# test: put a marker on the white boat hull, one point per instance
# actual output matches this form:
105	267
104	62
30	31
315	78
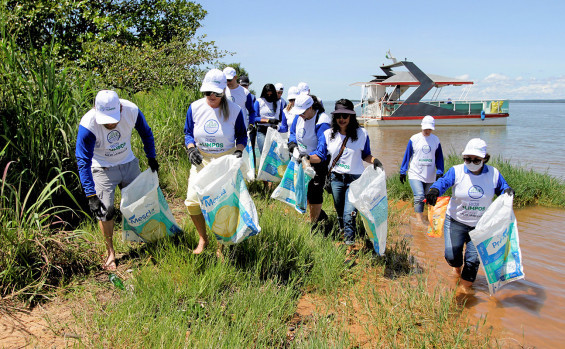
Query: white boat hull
451	121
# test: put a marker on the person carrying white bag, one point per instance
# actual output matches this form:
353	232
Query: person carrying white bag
474	186
214	127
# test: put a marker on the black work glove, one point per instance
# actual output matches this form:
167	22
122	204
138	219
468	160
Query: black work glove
402	178
438	176
96	206
153	164
509	191
238	153
291	146
303	156
251	128
273	121
377	163
194	156
431	196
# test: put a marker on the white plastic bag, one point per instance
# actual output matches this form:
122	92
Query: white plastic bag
146	214
294	184
496	239
225	202
248	164
368	195
274	157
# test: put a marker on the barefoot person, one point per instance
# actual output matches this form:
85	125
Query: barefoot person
214	127
105	159
348	146
423	160
474	186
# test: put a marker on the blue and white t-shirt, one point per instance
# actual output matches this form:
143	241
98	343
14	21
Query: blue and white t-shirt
471	194
98	146
309	134
242	97
351	160
423	158
213	133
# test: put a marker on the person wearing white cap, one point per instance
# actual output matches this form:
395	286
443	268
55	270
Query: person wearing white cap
105	158
423	160
306	140
214	127
348	146
474	186
291	96
280	90
303	88
240	95
270	113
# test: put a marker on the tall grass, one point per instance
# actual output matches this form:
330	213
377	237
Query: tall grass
532	188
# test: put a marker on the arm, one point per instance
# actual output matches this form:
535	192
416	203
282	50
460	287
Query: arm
439	160
283	127
292	133
407	156
250	106
146	135
366	152
240	132
321	149
445	182
84	151
189	129
501	185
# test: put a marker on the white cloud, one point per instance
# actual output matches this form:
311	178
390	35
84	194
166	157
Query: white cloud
501	86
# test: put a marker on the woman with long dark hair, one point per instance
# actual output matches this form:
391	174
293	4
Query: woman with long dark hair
270	113
348	146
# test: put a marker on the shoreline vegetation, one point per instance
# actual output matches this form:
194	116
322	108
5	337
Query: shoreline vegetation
51	248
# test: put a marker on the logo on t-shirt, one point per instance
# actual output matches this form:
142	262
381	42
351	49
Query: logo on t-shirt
211	126
426	149
476	192
232	98
301	132
113	136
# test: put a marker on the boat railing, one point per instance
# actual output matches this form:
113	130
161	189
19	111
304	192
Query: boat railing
377	110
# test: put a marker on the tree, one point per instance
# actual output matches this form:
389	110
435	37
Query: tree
117	39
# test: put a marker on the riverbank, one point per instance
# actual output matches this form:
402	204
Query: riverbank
281	288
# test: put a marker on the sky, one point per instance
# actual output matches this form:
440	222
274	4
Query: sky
510	49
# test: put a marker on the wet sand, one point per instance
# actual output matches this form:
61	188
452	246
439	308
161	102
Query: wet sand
528	312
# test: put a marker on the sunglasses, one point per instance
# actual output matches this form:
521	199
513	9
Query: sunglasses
341	116
475	161
208	93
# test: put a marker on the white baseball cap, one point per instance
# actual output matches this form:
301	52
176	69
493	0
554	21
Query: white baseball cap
301	103
279	86
293	92
214	81
428	123
229	72
303	88
107	107
477	147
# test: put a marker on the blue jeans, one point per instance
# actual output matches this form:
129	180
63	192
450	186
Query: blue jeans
346	212
456	234
420	189
260	141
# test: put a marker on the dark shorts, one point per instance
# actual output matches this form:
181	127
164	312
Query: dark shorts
315	193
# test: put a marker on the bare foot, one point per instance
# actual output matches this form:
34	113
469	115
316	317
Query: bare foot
220	253
456	271
465	290
110	264
201	246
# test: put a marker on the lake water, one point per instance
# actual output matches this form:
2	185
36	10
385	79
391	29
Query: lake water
529	312
534	138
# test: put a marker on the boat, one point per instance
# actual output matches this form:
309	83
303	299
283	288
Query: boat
382	102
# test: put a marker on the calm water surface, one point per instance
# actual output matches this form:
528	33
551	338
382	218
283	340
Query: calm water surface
534	138
529	312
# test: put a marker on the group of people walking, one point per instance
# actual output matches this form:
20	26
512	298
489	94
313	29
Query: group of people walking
337	146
